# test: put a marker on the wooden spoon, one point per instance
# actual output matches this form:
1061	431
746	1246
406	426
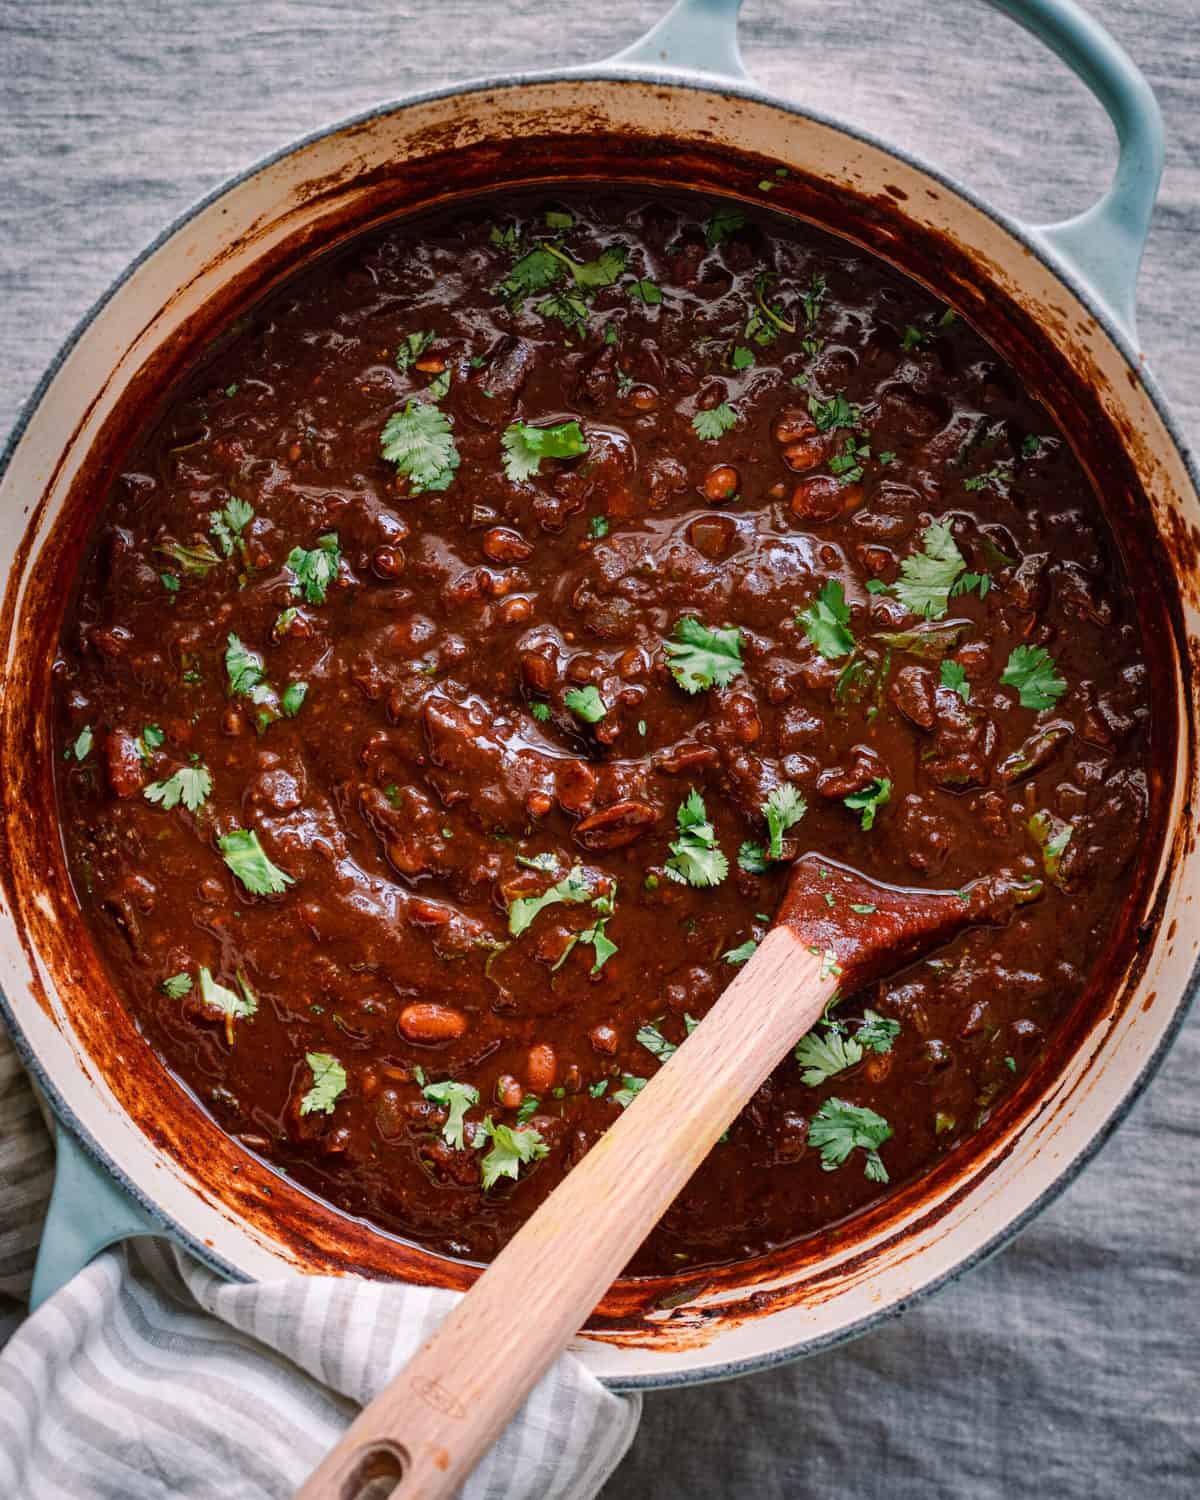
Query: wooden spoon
433	1423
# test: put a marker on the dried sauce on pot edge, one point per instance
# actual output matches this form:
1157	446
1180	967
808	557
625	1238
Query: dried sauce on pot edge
480	631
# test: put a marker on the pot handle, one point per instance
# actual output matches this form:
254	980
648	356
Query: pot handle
1102	248
88	1212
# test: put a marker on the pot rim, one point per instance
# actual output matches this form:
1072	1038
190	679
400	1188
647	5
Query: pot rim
1026	236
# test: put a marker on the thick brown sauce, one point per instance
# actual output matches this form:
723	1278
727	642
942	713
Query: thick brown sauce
415	772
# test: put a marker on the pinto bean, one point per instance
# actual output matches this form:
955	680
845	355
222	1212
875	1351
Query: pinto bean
509	1092
614	827
538	670
793	424
504	545
821	497
429	1023
541	1067
721	482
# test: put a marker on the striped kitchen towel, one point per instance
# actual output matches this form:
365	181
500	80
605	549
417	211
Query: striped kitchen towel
148	1377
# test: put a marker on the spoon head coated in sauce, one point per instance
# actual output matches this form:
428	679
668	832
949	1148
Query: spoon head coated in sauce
872	929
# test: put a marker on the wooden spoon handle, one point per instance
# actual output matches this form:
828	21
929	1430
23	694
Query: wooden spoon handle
440	1414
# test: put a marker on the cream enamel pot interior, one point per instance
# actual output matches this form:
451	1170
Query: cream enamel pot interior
136	1152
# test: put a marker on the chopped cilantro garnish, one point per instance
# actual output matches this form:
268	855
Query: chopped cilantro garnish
701	657
83	743
439	387
696	858
512	1148
586	703
418	440
1032	671
573	889
170	582
927	577
877	1033
870	800
741	953
813	298
741	358
710	425
724	222
247	859
314	571
598	527
783	809
234	1006
650	1037
826	622
558	220
1052	836
245	671
823	1054
540	711
839	1128
525	446
457	1099
648	292
228	524
954	677
190	785
834	413
412	346
177	986
753	859
631	1087
293	698
328	1082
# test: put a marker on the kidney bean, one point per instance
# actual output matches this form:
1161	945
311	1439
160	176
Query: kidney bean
504	545
427	1022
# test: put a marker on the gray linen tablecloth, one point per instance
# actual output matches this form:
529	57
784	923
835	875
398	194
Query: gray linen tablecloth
1067	1367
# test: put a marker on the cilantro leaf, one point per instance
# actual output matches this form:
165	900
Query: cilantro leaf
1032	671
710	425
724	222
954	677
177	986
596	935
650	1037
826	622
540	711
753	859
412	346
232	1005
293	698
196	560
228	524
1052	835
586	703
696	858
631	1087
928	641
418	440
741	953
648	292
457	1098
83	743
244	669
439	387
190	785
598	527
741	358
525	446
314	571
877	1034
602	271
812	299
570	308
248	860
824	1054
870	800
834	413
328	1082
533	272
839	1128
170	581
783	809
573	889
512	1147
927	577
700	657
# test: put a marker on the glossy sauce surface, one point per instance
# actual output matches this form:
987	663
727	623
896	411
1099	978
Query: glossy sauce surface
764	411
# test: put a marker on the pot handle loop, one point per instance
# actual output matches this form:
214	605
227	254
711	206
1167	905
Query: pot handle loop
695	36
1102	247
88	1212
